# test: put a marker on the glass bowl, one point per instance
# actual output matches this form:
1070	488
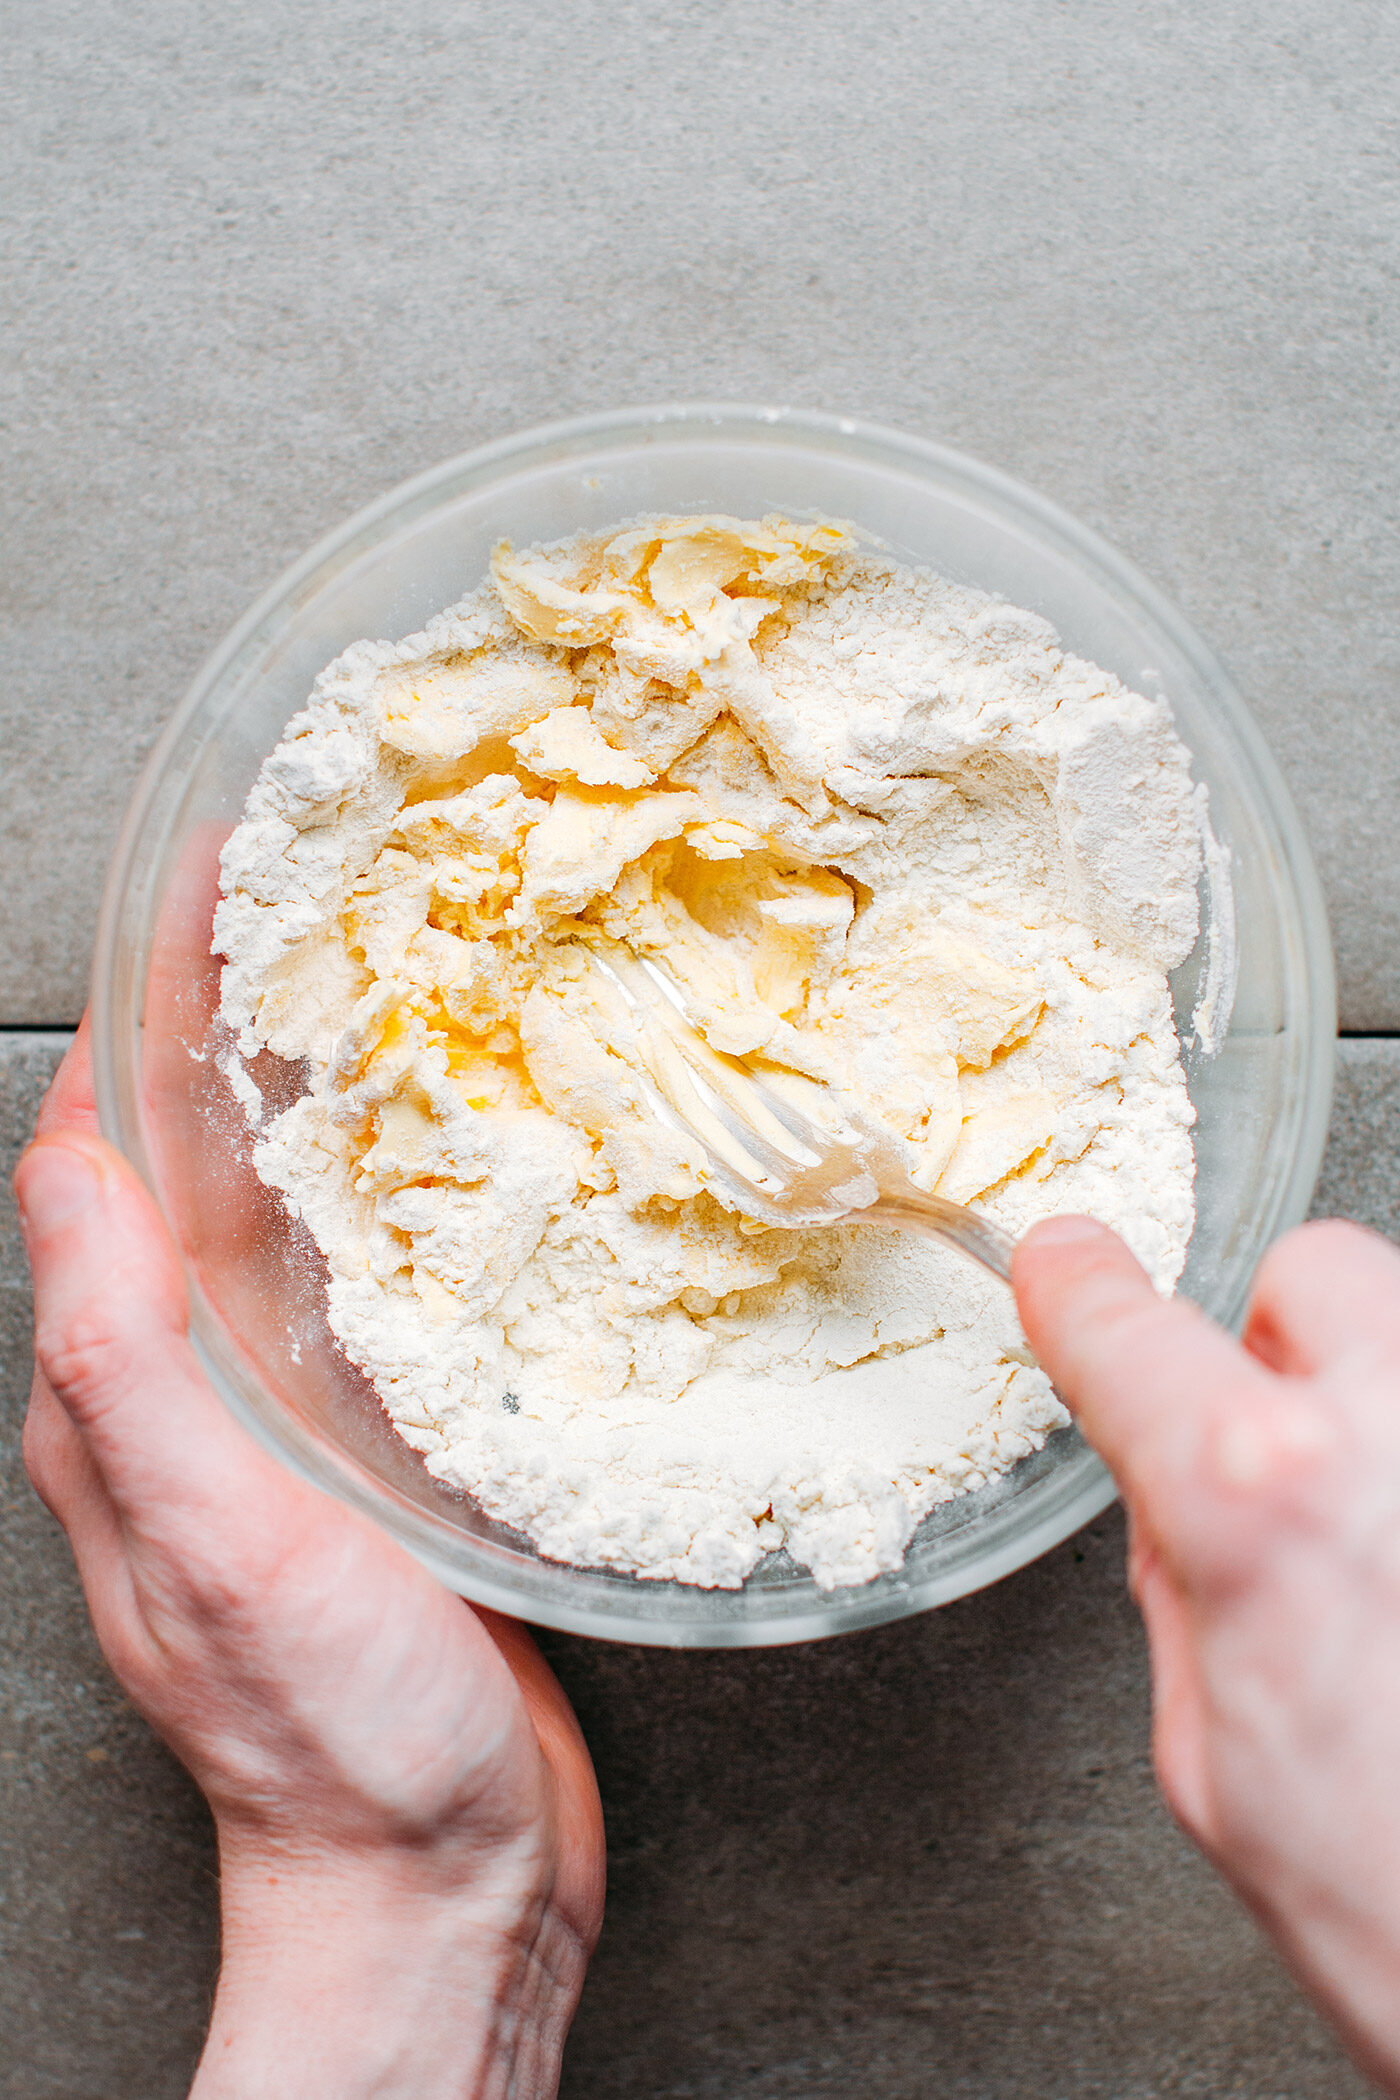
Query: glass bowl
257	1285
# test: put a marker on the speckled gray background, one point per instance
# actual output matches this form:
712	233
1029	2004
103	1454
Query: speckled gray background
263	263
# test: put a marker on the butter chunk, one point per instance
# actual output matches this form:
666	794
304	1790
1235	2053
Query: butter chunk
976	1004
583	842
565	745
444	710
997	1140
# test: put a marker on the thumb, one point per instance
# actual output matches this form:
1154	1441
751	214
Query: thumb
111	1322
581	1838
1191	1427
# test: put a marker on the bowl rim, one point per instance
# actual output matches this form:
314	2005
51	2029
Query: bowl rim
120	1119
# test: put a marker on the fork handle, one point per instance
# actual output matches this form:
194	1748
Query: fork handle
967	1230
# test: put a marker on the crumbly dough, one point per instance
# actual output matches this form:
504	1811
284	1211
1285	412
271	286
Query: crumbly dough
887	834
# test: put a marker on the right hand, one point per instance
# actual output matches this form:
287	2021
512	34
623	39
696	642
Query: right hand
1262	1482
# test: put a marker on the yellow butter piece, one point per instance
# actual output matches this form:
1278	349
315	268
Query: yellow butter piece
565	744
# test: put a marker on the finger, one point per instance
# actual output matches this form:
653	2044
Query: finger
1128	1363
66	1480
1178	1695
1325	1293
58	1462
1214	1453
182	989
580	1812
69	1103
110	1331
184	1092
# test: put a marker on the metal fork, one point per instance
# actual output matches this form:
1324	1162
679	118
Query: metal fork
780	1148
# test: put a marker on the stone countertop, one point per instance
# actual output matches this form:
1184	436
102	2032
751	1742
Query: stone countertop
267	263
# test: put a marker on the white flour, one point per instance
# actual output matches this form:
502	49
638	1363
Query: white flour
888	834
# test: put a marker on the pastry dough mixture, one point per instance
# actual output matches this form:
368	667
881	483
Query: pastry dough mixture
885	833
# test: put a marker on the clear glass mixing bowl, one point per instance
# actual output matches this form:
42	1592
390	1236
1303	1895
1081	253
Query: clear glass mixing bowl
257	1285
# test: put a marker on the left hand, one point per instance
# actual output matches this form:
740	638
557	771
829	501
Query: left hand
409	1830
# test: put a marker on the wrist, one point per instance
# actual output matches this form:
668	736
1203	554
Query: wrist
349	1972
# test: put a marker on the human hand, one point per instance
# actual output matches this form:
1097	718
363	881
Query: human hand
409	1831
1262	1483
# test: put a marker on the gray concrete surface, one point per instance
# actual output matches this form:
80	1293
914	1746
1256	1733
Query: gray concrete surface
925	1863
266	261
259	265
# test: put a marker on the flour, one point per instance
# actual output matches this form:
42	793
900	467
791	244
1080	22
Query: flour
887	834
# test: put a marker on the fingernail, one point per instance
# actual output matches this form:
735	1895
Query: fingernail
54	1184
1067	1232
